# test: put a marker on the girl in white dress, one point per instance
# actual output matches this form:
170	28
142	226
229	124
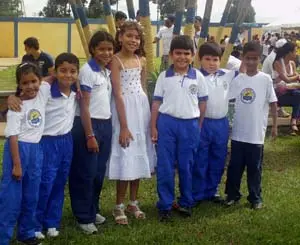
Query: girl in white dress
132	155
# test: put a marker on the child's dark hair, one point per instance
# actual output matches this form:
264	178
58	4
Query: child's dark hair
252	47
32	42
131	25
100	36
66	57
182	42
211	49
24	69
119	15
285	50
198	18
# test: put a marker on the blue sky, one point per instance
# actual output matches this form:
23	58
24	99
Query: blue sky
266	10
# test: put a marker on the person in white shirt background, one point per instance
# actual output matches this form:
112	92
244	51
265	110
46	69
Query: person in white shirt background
197	27
166	35
253	93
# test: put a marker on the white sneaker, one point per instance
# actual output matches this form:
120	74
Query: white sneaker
39	235
99	219
52	232
88	228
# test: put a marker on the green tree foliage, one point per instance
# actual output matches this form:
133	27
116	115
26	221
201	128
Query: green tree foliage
95	8
11	8
233	14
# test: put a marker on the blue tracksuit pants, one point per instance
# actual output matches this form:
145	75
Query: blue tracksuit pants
209	167
177	140
58	152
88	169
18	199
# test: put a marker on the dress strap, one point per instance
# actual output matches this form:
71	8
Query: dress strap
291	69
138	60
121	63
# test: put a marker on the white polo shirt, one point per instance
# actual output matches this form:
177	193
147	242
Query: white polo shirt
166	35
97	83
252	98
218	90
233	63
267	66
28	124
180	94
60	112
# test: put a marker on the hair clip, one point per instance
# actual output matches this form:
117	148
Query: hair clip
23	64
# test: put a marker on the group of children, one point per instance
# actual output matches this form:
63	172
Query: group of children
109	129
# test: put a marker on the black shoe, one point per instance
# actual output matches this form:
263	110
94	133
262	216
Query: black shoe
231	202
185	211
257	206
165	216
31	241
217	199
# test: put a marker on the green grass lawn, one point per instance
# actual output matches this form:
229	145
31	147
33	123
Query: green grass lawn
210	224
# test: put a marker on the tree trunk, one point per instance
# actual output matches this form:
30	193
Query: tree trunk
224	20
180	7
130	9
109	18
191	12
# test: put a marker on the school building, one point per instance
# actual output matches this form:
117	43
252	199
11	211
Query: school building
57	35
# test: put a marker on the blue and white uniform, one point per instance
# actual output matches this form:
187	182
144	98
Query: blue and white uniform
57	145
212	153
18	199
88	168
178	133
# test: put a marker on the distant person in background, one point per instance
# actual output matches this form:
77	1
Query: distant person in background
197	27
34	55
166	35
137	16
120	18
297	38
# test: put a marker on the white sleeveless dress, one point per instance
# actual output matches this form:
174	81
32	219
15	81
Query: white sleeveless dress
138	160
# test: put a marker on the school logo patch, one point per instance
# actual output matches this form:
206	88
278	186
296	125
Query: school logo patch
193	89
34	118
248	95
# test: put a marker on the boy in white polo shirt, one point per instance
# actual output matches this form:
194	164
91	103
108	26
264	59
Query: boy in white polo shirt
177	113
253	93
209	168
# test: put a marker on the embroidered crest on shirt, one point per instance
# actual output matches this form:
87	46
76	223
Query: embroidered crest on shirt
248	95
193	89
34	118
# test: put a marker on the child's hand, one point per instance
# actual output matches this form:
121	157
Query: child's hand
274	133
92	145
17	172
14	103
49	79
154	135
125	137
78	94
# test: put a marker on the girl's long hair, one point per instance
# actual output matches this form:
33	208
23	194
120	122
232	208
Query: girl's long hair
131	25
26	68
285	50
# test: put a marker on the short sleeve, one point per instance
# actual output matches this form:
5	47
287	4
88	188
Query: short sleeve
159	91
49	61
13	125
86	79
271	95
202	88
45	91
159	35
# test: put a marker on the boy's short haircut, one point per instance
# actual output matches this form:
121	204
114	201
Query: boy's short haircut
252	47
211	49
67	57
32	42
119	15
98	37
198	18
182	42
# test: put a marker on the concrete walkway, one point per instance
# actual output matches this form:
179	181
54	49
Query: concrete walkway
6	62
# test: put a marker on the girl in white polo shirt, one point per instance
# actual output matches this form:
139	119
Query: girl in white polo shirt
22	158
92	132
